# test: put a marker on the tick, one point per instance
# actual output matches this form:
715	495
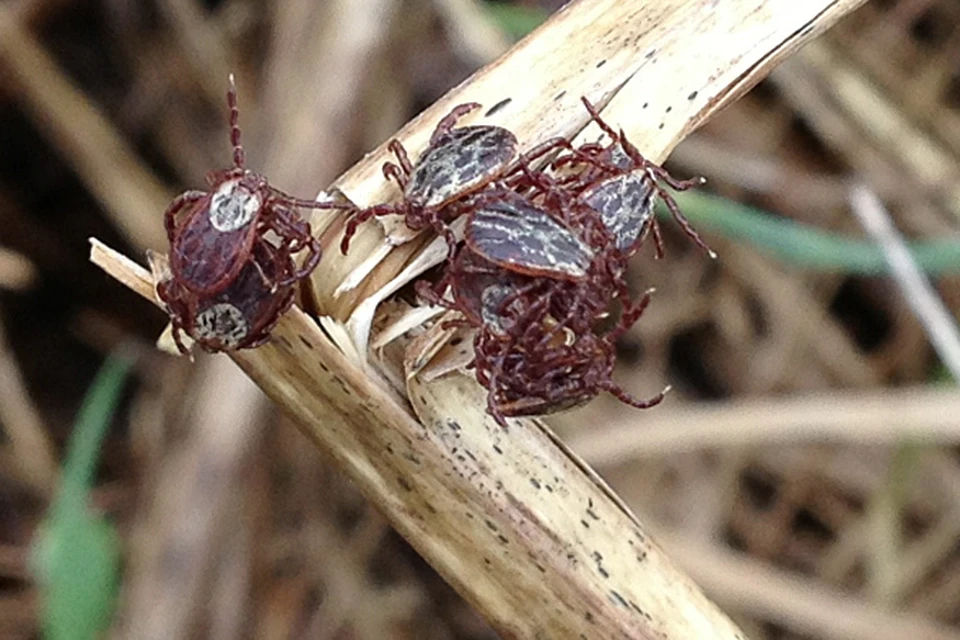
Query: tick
213	233
537	347
619	184
457	163
242	314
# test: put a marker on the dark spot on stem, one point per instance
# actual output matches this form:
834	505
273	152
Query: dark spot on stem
497	107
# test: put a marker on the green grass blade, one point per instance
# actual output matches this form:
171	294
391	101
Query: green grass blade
804	246
76	555
516	21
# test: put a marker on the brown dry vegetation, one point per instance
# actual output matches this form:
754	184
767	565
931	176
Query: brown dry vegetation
783	473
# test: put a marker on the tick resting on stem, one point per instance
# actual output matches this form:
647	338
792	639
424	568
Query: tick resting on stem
219	251
457	163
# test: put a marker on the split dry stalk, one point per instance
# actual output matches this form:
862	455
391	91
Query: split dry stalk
514	521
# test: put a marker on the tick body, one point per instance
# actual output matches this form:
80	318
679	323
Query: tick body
242	314
512	232
457	162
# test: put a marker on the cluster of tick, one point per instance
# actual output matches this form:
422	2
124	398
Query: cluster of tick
542	268
539	276
234	253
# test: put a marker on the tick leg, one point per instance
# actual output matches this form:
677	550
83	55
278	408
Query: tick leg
623	396
263	277
678	185
180	312
683	222
182	200
314	252
291	201
657	239
444	229
590	153
176	330
558	142
493	404
433	294
238	157
297	235
448	121
631	313
395	173
400	152
595	116
362	215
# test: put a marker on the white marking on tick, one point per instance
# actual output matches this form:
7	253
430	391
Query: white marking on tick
223	323
232	207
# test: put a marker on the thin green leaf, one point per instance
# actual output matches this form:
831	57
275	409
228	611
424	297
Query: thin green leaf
803	246
76	555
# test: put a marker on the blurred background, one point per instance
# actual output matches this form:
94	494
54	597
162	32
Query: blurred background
804	468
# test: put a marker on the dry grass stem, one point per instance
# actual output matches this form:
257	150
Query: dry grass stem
916	289
33	453
512	520
191	517
923	156
753	587
868	418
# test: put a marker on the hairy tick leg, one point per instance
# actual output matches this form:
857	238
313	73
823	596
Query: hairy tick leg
395	173
684	223
362	215
595	116
625	397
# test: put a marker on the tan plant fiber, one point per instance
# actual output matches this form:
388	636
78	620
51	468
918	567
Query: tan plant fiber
514	521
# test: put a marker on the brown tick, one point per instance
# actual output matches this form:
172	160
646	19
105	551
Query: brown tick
529	361
243	313
618	183
457	163
213	233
